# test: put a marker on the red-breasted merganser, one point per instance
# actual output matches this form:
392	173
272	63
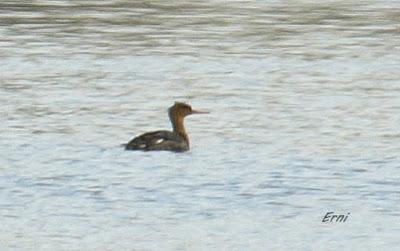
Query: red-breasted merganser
176	141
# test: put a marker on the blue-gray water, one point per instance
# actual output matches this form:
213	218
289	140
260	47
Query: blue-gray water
305	112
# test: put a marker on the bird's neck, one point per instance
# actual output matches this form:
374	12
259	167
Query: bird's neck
178	126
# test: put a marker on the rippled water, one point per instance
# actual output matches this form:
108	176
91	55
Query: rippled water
305	112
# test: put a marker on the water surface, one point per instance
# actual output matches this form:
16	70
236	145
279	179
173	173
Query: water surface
304	100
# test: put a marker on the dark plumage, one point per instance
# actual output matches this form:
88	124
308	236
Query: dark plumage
176	141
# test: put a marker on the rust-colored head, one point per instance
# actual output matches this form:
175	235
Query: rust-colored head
180	109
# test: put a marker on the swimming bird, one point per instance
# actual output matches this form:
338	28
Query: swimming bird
176	140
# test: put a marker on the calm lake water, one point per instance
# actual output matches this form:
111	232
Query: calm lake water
305	112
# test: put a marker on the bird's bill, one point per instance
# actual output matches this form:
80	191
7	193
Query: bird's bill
199	112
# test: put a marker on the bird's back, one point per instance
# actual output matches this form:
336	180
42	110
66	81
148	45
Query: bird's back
159	141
